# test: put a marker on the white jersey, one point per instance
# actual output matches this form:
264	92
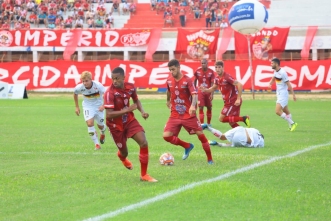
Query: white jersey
93	97
281	81
237	136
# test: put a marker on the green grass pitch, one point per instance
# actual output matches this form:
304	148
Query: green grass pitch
49	169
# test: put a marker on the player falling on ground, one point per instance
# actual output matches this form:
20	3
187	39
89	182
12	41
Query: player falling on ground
238	137
204	77
122	123
231	90
92	106
282	85
182	101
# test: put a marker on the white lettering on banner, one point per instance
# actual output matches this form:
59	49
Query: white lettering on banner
50	81
98	37
200	34
28	37
136	72
187	69
261	76
65	37
18	73
49	36
292	75
159	76
319	74
97	73
266	33
72	73
4	73
35	72
83	41
110	34
328	77
246	76
106	73
18	38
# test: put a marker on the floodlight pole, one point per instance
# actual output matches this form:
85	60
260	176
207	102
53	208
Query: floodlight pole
250	64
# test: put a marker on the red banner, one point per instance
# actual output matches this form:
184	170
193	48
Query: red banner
47	76
263	44
197	44
89	38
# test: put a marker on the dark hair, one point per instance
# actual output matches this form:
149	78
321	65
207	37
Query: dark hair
173	62
276	60
219	63
118	70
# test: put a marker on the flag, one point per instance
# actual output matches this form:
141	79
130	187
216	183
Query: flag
72	44
311	31
153	43
226	37
264	44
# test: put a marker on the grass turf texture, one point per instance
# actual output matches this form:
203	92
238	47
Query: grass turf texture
50	171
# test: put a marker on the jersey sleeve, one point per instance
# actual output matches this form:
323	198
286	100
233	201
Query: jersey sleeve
108	99
229	79
134	94
101	88
191	86
285	77
77	89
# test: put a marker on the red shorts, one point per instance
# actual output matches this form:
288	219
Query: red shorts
130	129
231	110
191	125
204	100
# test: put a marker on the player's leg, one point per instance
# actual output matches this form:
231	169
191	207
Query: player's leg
89	119
208	104
136	132
292	125
201	114
201	104
230	114
100	119
192	125
214	131
170	134
120	139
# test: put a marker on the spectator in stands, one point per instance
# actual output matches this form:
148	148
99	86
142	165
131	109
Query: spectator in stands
18	25
160	6
52	5
42	19
5	26
225	11
169	20
153	5
212	16
70	4
25	24
30	6
77	5
51	20
79	22
101	11
208	16
63	7
167	11
125	8
99	23
224	24
86	6
90	22
68	22
60	12
89	14
107	24
132	8
115	7
196	12
111	19
80	13
33	18
182	17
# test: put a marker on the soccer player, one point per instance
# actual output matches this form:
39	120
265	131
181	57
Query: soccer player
204	77
238	137
92	106
282	86
122	123
231	90
182	101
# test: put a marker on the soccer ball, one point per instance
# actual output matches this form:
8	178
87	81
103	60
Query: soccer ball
167	159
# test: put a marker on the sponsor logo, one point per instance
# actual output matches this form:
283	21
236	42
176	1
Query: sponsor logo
240	12
135	39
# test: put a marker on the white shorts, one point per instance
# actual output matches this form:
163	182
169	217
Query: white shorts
99	116
237	136
282	99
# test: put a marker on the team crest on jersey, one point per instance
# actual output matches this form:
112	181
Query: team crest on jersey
117	94
119	145
176	92
126	101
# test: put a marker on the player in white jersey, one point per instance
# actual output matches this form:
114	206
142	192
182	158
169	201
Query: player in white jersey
238	137
93	108
282	86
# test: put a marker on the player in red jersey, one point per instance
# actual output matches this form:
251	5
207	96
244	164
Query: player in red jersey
231	90
204	77
182	101
121	121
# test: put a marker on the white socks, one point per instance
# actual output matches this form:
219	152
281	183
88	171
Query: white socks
93	134
103	129
216	133
288	119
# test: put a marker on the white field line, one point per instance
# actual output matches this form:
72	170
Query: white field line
200	183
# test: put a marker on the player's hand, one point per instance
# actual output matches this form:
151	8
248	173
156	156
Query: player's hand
269	86
101	108
145	115
132	107
211	96
237	103
77	111
169	104
192	110
294	97
202	89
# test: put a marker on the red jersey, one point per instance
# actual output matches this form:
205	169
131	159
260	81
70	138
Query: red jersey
205	79
228	90
117	99
181	96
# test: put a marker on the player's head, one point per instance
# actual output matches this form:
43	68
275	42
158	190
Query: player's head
118	76
219	67
174	68
275	63
204	64
86	78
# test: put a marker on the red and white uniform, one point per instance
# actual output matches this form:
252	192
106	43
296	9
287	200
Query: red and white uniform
204	79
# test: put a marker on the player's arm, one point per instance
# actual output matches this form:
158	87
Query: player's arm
209	90
271	82
289	85
77	111
141	109
111	113
168	99
194	102
240	89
